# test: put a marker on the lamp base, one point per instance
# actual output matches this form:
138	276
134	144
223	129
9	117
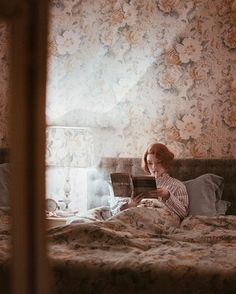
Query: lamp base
67	202
67	189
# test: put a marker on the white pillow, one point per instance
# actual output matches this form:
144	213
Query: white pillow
205	194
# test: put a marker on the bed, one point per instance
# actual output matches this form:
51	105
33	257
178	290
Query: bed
133	252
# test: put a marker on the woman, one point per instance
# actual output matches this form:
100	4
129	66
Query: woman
171	192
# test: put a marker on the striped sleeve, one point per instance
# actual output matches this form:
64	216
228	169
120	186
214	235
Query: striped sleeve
178	201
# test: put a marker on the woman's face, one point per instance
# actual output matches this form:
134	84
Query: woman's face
154	166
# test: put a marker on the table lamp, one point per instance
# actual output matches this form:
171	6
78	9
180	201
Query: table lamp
69	147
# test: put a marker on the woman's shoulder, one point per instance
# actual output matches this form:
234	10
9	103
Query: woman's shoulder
177	182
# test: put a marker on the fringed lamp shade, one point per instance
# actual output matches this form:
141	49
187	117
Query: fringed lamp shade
69	147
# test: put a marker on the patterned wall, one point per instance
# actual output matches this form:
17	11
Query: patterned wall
138	71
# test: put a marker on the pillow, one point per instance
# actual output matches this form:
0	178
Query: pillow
222	206
4	184
205	194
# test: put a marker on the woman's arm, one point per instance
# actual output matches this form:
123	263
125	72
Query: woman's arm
124	203
118	202
178	201
175	198
133	202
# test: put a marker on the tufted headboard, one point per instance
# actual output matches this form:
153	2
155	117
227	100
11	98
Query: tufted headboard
182	169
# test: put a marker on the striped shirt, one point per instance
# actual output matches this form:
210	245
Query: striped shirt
177	202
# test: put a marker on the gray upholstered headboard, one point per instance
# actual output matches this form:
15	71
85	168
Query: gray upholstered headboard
182	169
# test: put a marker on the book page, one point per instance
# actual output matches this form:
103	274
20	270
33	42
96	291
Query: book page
124	184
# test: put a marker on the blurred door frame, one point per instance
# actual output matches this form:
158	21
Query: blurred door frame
28	21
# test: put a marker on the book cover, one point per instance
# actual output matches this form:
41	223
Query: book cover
124	184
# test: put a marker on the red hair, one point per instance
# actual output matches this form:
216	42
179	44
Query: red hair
161	152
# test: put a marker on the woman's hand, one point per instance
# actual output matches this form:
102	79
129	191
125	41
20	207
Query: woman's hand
133	202
160	193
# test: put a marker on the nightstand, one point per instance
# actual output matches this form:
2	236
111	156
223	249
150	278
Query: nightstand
52	222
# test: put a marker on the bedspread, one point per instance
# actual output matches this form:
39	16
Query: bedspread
137	251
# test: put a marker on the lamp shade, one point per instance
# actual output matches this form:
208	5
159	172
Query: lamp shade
69	147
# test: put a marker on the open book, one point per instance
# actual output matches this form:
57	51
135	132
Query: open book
124	184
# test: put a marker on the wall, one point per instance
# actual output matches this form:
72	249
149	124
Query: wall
136	72
143	71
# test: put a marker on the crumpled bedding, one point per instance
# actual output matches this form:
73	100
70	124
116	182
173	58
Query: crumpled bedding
145	250
140	250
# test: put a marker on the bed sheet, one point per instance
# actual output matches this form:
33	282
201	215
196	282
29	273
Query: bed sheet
137	251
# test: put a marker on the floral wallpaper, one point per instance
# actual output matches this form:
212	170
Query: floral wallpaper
139	71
